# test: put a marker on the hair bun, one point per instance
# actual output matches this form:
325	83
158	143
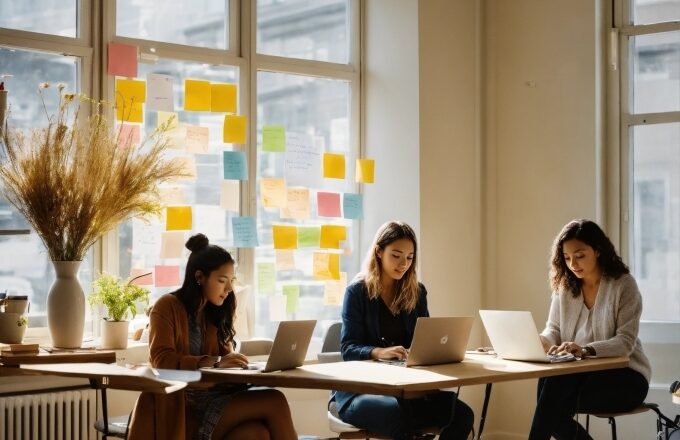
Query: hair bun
197	242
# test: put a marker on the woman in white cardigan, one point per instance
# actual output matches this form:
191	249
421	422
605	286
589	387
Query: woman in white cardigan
595	311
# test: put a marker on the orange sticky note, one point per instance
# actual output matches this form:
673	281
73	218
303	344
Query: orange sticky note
273	192
166	276
285	237
331	236
334	166
122	60
235	129
365	172
178	218
145	277
223	98
326	266
297	204
198	139
197	95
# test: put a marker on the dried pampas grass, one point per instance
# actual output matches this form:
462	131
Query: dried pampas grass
73	182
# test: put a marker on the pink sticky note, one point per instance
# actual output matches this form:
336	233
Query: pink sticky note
145	277
167	276
328	204
128	135
122	60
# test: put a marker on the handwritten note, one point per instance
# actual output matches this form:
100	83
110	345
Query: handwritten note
273	192
178	218
365	172
171	195
128	135
145	276
273	138
353	206
333	166
292	294
210	220
146	237
309	236
197	139
302	166
223	98
266	278
326	266
285	259
166	276
235	166
297	204
235	128
285	237
159	95
277	308
332	235
172	244
230	195
328	204
122	60
245	232
334	291
196	95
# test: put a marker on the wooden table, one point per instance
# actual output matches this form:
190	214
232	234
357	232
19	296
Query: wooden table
71	356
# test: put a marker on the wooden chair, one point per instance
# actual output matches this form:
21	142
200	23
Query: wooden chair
639	410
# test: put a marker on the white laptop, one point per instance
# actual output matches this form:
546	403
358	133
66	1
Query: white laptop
513	335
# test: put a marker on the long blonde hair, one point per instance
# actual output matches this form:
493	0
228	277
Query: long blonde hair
408	290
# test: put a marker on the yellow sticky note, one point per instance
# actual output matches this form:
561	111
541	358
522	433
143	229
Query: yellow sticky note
285	259
131	90
326	266
285	237
333	166
197	95
273	192
235	129
365	172
223	98
297	204
331	236
129	111
179	218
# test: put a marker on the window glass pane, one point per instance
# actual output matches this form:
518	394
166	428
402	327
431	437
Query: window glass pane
200	23
140	242
29	270
56	17
656	72
656	11
656	219
306	29
320	109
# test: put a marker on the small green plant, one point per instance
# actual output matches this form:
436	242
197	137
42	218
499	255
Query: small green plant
118	296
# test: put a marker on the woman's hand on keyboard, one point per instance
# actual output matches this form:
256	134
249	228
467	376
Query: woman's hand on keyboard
233	360
396	352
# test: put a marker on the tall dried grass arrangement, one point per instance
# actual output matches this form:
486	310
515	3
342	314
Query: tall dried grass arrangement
73	182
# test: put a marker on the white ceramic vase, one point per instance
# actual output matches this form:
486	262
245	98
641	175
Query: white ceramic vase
66	306
114	334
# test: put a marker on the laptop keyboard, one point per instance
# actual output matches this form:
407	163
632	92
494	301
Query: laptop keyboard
568	357
397	362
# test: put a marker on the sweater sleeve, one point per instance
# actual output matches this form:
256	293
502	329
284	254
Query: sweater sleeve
551	332
354	336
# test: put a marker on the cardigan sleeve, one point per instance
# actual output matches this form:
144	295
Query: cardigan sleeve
354	336
551	332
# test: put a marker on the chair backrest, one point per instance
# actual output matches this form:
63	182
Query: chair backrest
255	347
331	342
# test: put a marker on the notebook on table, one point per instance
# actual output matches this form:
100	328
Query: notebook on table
514	336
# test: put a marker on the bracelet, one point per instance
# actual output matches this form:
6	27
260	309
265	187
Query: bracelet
217	362
587	351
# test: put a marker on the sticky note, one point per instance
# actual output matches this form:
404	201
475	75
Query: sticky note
171	195
302	166
159	94
292	294
297	204
166	276
309	236
129	111
168	118
235	128
285	237
211	220
172	244
223	97
285	259
331	236
365	172
277	308
273	192
196	95
353	206
333	166
334	291
128	135
245	232
326	266
178	218
273	138
122	60
328	204
266	278
235	166
230	195
141	277
146	236
188	167
197	139
130	90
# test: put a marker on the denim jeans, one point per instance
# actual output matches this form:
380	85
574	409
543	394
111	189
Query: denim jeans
395	418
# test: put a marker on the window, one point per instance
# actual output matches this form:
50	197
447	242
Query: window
55	17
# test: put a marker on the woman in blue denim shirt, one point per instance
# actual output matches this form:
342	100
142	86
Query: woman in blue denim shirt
379	317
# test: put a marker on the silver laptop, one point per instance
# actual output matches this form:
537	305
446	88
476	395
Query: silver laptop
513	335
439	340
290	346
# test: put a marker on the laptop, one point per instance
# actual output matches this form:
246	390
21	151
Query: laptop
289	348
513	336
438	341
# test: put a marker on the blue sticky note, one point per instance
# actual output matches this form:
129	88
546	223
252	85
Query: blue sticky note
235	166
353	206
245	232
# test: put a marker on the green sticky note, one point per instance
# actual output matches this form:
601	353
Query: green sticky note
266	278
273	138
292	294
308	236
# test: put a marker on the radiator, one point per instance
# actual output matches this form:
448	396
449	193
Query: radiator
67	415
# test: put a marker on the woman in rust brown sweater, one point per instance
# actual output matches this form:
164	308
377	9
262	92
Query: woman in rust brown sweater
193	327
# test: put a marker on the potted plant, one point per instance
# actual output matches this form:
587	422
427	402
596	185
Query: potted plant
120	298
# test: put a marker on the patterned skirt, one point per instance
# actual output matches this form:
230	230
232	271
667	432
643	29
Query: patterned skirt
210	403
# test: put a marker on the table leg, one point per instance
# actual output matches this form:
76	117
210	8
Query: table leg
482	419
105	410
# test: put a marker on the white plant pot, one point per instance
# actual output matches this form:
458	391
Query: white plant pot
114	334
66	306
12	328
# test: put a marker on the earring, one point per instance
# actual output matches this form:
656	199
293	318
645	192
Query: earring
198	282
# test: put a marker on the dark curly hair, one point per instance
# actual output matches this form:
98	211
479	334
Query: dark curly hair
587	231
207	257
